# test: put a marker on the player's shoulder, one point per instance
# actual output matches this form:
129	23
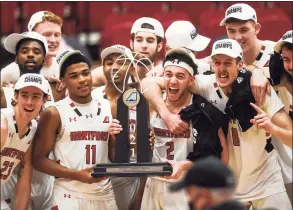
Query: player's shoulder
269	45
99	92
97	70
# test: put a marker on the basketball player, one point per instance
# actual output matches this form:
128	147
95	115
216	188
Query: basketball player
178	149
281	75
256	191
241	25
119	59
18	128
48	25
30	49
77	125
146	39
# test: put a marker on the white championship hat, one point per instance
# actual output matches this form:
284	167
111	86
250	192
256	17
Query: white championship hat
181	64
157	29
287	37
241	12
35	80
12	40
116	49
228	47
63	56
35	19
184	34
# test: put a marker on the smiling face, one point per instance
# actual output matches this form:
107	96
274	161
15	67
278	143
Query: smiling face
30	56
244	32
287	59
78	80
52	32
29	102
117	64
146	44
226	70
177	80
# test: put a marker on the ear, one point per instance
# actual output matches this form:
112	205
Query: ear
257	28
131	44
240	65
191	80
166	49
160	46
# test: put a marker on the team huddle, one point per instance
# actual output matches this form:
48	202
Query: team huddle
59	118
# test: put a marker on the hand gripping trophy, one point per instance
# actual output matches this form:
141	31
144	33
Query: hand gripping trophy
133	156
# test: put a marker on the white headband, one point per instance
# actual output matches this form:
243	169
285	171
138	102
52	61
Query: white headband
181	64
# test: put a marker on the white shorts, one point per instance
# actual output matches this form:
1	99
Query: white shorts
125	189
4	205
157	196
65	201
41	190
279	201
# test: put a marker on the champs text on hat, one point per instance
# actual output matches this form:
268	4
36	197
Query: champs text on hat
61	56
234	10
288	35
31	78
224	45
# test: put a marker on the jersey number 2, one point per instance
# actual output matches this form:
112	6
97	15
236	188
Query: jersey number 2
90	152
170	149
6	166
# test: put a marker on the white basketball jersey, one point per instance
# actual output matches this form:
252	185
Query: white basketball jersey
15	148
169	146
285	152
252	159
83	142
263	59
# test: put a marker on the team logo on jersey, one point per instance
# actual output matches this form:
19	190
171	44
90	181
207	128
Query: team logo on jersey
202	104
106	119
72	119
214	102
67	196
89	116
11	135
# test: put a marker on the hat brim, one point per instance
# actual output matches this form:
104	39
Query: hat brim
200	43
11	42
229	53
223	22
279	44
177	186
109	51
178	50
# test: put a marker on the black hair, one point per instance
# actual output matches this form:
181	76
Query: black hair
29	40
235	20
73	59
184	58
288	46
148	26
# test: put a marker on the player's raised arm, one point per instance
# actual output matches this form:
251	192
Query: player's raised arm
23	186
154	96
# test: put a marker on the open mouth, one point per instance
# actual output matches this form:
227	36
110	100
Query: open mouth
52	47
173	90
28	110
83	87
30	64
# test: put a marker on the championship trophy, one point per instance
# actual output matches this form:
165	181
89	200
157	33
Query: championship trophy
133	156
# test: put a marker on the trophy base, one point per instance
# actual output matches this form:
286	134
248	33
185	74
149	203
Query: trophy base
132	169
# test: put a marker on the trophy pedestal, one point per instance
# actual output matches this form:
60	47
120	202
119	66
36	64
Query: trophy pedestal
132	169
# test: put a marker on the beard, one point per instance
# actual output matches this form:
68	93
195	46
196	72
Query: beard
289	77
24	70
